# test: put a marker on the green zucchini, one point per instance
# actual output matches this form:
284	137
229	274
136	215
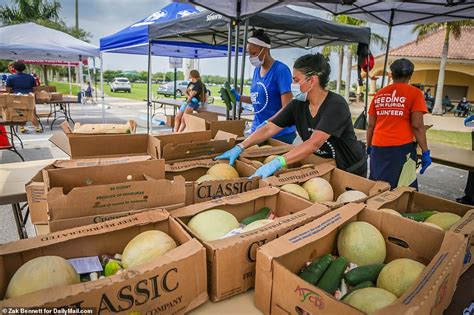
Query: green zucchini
363	273
229	92
260	215
331	279
226	98
418	216
365	284
315	270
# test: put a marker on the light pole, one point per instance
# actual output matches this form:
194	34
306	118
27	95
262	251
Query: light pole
77	15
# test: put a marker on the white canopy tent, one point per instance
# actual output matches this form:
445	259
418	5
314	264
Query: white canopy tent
35	42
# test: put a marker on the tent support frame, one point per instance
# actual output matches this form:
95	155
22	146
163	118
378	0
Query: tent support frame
242	69
229	61
148	89
236	67
385	62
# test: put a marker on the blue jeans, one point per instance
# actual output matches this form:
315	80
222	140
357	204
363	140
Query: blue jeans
288	138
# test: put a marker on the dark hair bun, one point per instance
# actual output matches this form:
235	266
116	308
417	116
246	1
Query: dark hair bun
261	35
316	64
402	68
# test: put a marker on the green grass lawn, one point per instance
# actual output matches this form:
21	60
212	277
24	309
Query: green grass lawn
454	138
63	88
139	92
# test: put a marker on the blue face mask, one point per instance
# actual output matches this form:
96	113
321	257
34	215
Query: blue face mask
297	94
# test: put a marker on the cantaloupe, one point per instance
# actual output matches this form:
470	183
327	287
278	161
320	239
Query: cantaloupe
433	225
212	224
394	212
370	300
256	224
399	274
295	189
319	189
223	170
207	177
145	247
269	158
444	220
361	243
350	196
41	273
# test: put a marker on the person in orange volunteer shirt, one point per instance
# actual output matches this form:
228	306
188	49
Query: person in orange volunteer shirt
395	121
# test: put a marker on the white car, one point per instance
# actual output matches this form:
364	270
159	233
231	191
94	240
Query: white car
120	84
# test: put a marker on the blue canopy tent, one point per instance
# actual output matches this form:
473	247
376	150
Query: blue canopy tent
134	39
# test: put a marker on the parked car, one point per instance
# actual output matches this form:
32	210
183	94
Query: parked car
167	89
120	84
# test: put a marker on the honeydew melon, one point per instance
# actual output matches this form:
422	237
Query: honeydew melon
394	212
370	300
319	189
295	189
256	224
212	224
350	196
207	177
399	274
223	170
444	220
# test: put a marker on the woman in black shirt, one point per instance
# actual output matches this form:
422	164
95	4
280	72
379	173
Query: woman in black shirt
322	119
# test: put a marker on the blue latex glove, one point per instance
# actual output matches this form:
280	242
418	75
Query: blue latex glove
425	161
230	155
183	107
236	94
369	150
269	168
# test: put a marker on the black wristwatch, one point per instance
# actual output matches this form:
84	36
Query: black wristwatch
241	146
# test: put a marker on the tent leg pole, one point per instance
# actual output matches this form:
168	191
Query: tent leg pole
366	103
148	87
229	60
95	78
69	77
175	77
236	66
102	86
242	68
384	73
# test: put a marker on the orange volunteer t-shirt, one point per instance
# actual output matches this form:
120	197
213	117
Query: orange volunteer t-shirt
393	106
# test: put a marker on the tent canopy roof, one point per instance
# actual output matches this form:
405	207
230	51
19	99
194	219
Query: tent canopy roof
33	41
404	12
285	26
134	38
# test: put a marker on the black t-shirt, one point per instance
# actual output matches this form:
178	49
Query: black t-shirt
333	118
198	87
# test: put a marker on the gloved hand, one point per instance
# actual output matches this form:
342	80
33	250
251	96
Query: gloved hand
183	107
269	168
425	161
369	149
230	155
236	94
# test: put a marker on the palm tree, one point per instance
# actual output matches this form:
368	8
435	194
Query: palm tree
327	50
455	28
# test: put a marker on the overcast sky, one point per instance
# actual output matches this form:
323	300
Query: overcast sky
105	17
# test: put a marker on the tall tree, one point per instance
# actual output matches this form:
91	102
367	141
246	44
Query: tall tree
450	28
327	50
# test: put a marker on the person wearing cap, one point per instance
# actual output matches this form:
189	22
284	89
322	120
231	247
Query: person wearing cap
396	126
322	118
271	85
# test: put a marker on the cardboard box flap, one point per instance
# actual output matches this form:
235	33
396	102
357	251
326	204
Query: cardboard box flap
194	123
453	246
187	165
173	138
61	140
114	198
379	186
65	127
307	233
301	174
465	226
69	178
196	149
223	135
229	200
261	152
379	201
100	161
142	218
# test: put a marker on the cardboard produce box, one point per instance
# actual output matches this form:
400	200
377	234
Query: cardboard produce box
210	121
129	128
36	191
85	195
340	181
3	100
45	88
279	289
20	101
174	283
164	146
17	114
198	192
42	97
231	260
55	96
408	200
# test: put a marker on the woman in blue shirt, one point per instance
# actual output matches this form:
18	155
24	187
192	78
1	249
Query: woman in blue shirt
271	85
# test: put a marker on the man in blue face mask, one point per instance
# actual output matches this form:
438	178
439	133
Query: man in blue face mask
271	85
